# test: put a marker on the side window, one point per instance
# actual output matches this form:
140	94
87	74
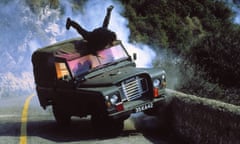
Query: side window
62	71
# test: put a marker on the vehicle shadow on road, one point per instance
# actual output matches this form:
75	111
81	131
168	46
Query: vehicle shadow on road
78	130
50	130
9	128
82	130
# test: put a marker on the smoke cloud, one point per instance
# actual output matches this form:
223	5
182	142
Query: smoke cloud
234	5
236	9
92	17
23	30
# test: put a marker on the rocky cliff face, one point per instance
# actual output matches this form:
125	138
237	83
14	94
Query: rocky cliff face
202	120
22	32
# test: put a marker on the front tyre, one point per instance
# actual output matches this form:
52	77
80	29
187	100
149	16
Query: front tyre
62	118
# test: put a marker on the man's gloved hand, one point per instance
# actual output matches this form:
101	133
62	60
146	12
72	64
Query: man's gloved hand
109	9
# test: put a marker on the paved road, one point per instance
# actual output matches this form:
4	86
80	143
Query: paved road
22	122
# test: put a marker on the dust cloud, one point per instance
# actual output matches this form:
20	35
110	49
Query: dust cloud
25	29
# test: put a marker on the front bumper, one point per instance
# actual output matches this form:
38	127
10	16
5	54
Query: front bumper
131	107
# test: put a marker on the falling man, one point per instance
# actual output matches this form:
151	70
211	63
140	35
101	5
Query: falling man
100	37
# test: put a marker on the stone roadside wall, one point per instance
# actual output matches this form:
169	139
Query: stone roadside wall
202	120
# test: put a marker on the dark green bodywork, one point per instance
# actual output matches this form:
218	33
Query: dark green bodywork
87	96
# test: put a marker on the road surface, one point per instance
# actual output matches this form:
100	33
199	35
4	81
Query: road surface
23	121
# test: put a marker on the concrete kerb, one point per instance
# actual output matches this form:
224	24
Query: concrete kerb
202	120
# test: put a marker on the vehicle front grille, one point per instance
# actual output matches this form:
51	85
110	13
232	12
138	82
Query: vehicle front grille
133	88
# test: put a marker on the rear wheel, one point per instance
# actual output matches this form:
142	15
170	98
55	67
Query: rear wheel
61	116
105	126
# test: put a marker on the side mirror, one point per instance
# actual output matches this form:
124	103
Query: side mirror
134	56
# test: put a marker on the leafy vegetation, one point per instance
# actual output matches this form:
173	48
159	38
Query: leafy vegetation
201	32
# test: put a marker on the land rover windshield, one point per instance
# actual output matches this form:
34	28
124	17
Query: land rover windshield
90	62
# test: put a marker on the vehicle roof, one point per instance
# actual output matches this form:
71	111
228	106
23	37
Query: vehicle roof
68	49
43	59
71	46
54	47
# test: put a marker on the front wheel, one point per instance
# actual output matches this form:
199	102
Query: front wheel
105	126
61	117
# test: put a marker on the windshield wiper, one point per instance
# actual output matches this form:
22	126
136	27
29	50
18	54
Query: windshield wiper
110	63
104	65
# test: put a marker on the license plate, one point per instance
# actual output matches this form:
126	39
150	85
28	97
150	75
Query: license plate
144	107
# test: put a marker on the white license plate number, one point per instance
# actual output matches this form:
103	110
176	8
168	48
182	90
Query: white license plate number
144	107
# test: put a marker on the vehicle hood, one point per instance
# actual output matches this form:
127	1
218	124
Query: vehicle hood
109	78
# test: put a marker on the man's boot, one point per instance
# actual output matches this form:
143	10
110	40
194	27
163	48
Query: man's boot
68	23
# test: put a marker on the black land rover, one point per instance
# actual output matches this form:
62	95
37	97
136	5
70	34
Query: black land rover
106	85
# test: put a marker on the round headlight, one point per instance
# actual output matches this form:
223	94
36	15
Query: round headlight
163	77
106	98
114	99
156	82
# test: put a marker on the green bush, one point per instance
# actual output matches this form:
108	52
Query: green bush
201	32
